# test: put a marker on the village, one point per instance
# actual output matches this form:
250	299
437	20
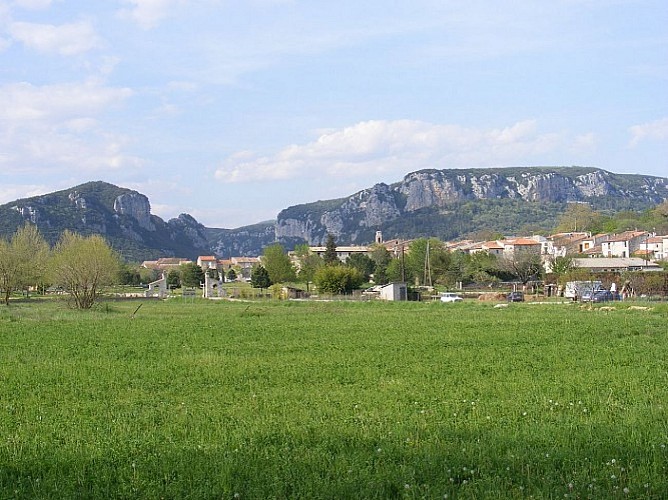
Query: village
604	253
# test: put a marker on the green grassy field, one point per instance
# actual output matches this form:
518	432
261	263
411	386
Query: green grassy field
332	400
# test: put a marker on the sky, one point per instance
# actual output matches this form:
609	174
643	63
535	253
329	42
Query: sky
232	110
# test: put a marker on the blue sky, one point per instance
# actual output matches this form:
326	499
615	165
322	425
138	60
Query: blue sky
233	110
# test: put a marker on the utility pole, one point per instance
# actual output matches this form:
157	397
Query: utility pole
426	279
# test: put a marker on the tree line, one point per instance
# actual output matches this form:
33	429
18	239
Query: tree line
425	261
78	265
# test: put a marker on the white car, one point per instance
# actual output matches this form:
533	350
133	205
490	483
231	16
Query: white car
450	297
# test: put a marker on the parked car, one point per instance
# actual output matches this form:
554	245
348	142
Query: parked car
450	297
588	294
604	296
515	297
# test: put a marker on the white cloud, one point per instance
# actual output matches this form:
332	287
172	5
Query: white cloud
33	4
65	39
54	128
392	148
12	192
20	102
656	130
148	13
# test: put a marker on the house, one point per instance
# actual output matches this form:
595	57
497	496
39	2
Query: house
207	262
616	264
245	265
342	252
491	247
562	244
652	248
624	244
664	249
517	246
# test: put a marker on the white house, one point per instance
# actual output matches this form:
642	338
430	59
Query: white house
624	244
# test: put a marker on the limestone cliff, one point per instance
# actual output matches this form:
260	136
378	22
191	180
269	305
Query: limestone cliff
136	206
424	199
121	215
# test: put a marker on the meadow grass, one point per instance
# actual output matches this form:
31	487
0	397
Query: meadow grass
217	399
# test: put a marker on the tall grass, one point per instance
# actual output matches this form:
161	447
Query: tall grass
332	400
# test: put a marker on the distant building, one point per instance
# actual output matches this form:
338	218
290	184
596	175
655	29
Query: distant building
165	263
616	264
624	244
342	252
394	291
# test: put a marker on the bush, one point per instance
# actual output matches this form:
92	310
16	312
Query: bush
337	279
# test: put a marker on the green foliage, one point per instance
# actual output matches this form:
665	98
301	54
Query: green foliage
330	257
23	261
337	279
362	263
309	263
83	266
277	263
576	217
191	275
231	275
260	277
173	278
381	258
562	266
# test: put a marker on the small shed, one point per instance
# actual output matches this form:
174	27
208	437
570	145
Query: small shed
394	291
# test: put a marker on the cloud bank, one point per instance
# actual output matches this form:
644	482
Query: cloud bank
392	148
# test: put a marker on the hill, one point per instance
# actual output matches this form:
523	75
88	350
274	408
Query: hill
452	203
121	215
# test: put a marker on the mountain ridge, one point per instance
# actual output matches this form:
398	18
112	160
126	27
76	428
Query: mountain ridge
446	204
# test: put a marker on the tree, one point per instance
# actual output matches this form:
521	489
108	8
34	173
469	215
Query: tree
83	266
337	279
191	275
309	263
561	266
381	258
427	261
330	257
524	265
22	260
362	263
128	275
260	277
231	275
277	263
577	217
173	279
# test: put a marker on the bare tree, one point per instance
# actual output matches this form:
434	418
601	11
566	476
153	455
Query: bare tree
524	265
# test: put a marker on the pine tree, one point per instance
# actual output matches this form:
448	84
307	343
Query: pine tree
330	257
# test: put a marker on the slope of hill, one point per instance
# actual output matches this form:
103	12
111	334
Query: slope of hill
121	215
452	203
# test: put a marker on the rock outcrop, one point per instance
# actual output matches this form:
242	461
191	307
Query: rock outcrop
137	206
353	219
121	215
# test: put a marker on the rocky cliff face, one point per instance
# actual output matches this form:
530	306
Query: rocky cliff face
136	206
121	215
352	219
